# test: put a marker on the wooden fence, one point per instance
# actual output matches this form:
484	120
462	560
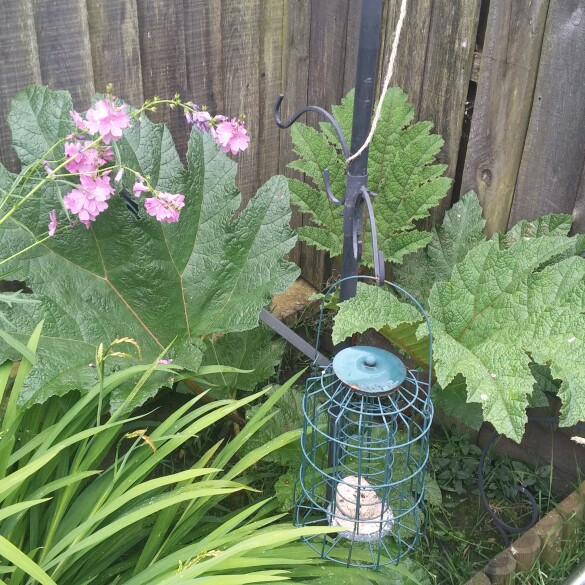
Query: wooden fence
503	80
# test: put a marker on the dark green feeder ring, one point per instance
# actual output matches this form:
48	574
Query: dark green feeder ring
369	370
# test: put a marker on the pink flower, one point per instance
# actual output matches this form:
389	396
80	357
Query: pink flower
189	115
79	121
89	199
165	362
139	187
165	206
200	118
52	222
106	154
82	161
47	167
119	175
107	119
232	136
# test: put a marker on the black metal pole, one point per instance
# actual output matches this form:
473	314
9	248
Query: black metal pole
357	177
357	172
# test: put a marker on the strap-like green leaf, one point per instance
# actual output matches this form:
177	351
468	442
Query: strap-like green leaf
20	560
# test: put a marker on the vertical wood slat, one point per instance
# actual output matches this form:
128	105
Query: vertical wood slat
20	66
447	73
163	62
325	87
294	86
203	53
354	11
115	48
271	50
412	48
327	53
503	103
579	211
554	153
240	23
64	52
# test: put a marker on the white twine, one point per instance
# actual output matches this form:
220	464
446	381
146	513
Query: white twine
389	73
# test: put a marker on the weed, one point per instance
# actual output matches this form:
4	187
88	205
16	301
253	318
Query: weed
572	553
461	537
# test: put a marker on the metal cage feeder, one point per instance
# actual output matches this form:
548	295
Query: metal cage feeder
365	448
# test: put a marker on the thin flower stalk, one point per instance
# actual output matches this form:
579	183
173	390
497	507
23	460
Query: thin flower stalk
43	181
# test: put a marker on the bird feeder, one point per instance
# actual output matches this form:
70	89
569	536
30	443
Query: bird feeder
365	447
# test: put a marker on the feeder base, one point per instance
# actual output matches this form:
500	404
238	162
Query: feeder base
365	531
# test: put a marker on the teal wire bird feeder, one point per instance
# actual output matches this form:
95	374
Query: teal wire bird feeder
365	446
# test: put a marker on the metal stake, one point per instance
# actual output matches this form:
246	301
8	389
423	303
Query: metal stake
356	193
357	172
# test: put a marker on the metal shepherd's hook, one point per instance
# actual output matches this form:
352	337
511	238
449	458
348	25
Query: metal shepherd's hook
336	128
362	196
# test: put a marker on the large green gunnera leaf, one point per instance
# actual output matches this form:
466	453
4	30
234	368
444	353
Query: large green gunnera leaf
401	173
461	230
372	308
507	314
499	310
158	283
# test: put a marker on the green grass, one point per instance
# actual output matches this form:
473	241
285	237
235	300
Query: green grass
461	538
572	554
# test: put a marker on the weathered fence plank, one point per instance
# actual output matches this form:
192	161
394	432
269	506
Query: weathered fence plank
509	64
240	25
201	22
20	66
447	73
554	153
354	11
162	51
579	211
115	48
271	52
412	48
294	85
327	53
64	53
326	80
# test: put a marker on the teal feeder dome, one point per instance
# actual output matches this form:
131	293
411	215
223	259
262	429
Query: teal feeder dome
365	446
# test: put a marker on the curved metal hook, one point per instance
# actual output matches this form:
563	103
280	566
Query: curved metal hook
379	269
315	109
329	191
336	128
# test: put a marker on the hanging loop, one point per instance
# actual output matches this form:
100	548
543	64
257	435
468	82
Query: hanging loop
329	191
302	111
378	255
396	288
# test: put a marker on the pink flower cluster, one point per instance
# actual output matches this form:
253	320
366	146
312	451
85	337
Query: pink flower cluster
89	199
230	135
165	206
83	158
105	118
86	158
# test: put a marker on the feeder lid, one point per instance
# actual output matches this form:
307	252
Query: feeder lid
369	370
